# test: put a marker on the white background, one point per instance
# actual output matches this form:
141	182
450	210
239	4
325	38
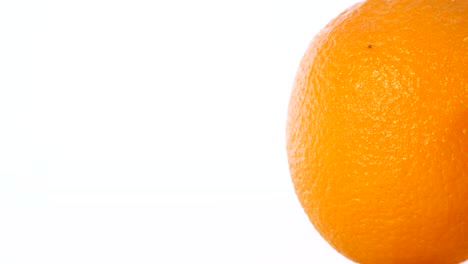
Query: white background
152	131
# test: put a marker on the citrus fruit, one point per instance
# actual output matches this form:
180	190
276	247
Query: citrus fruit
377	132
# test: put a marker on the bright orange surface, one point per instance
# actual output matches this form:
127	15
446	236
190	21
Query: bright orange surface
377	132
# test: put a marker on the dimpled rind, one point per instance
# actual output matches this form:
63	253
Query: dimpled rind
377	135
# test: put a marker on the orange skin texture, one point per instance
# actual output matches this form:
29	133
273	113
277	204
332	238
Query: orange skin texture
377	132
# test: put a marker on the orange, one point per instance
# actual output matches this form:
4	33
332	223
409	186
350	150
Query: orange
377	132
